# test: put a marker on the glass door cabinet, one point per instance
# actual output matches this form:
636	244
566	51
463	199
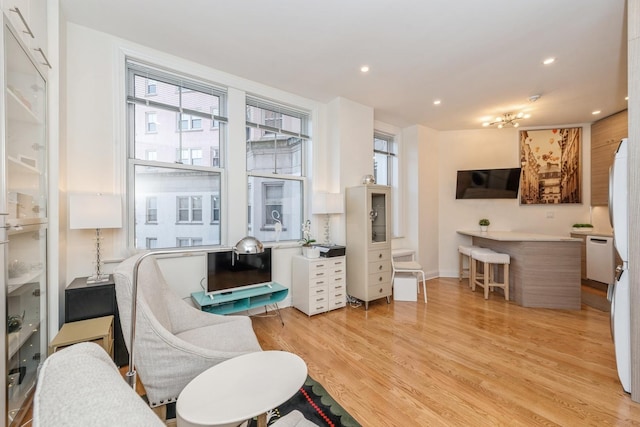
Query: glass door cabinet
23	216
369	242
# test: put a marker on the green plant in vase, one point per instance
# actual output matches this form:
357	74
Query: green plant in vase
307	241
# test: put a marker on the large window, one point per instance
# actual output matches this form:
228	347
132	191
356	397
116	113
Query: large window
386	172
152	210
184	173
277	137
385	158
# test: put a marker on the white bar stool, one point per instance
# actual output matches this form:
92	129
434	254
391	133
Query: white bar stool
490	260
465	251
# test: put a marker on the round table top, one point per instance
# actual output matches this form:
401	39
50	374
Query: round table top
240	388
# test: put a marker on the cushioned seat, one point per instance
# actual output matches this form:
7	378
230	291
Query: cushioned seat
174	342
490	261
473	270
465	251
80	386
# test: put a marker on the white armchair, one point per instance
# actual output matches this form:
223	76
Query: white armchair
174	342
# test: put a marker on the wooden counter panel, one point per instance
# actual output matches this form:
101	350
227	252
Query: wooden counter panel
542	274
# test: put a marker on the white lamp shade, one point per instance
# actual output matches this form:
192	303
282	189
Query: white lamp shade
327	203
95	211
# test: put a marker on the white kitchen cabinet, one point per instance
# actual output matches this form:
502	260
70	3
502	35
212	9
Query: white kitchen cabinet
318	284
23	224
369	242
29	18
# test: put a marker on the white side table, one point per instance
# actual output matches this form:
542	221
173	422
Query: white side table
241	388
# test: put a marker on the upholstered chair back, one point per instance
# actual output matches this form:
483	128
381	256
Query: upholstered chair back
174	342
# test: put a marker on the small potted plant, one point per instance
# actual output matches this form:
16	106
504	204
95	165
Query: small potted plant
307	241
484	224
582	227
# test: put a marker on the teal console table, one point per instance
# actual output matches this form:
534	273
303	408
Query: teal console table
241	299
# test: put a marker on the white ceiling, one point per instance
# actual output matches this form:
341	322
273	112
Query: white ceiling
481	58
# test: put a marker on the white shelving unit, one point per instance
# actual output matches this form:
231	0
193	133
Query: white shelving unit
23	220
369	242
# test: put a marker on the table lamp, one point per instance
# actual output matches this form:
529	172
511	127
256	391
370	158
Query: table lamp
328	204
97	211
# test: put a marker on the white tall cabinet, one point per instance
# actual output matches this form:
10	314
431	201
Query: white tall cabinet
369	242
23	217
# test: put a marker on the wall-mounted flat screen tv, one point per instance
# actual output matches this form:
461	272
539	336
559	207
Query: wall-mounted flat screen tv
488	184
245	271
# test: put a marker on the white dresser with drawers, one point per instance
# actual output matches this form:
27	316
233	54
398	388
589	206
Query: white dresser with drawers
319	284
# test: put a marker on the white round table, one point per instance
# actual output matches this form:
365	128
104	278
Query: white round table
241	388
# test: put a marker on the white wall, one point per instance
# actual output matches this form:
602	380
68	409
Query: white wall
496	148
91	143
94	146
94	143
419	167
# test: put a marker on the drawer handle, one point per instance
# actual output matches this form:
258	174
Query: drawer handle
338	295
46	61
320	274
380	279
379	255
338	263
319	291
321	282
337	271
337	287
380	290
380	267
319	265
24	22
322	299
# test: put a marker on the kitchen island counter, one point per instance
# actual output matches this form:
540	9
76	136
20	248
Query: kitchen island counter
544	270
516	236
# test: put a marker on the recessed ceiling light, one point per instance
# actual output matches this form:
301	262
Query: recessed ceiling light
596	112
549	61
437	102
364	68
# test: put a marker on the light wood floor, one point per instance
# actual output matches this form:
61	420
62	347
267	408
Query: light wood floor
460	360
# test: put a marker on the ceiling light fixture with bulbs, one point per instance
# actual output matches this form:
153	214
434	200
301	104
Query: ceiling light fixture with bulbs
512	119
507	119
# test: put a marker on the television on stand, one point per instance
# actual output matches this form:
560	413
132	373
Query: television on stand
228	272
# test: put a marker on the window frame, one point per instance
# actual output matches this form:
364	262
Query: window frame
135	69
148	122
190	209
304	134
388	154
148	209
393	135
268	200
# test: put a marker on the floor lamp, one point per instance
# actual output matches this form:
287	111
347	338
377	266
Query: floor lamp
327	204
95	211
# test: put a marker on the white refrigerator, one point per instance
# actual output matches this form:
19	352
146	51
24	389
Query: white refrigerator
619	292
